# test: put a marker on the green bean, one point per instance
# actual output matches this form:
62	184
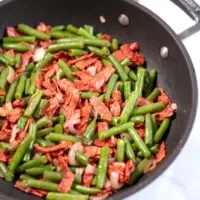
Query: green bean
125	62
102	97
9	176
129	107
22	148
137	119
40	170
27	85
106	62
53	176
57	28
28	155
129	150
61	119
89	132
115	130
29	67
6	147
46	60
148	130
71	28
126	69
40	185
77	52
152	81
33	32
97	51
60	34
120	150
122	74
138	171
26	177
11	92
43	122
154	94
6	59
55	119
85	190
66	46
139	85
88	95
74	192
20	87
32	163
42	105
154	123
45	131
56	137
65	196
89	28
102	167
150	108
17	60
22	122
111	86
132	75
33	77
84	33
162	129
120	86
115	121
16	47
3	78
115	44
28	39
94	181
82	159
44	143
139	142
65	69
127	89
98	35
33	103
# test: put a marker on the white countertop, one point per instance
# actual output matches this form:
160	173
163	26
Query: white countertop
181	181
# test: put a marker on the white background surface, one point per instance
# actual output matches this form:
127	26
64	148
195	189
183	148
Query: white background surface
181	181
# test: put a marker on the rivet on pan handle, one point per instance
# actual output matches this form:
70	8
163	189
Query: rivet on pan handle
193	10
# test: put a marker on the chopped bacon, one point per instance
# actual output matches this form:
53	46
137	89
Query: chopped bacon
2	92
45	43
51	108
161	153
38	81
141	132
98	65
11	32
135	46
115	109
102	126
82	64
106	37
36	192
102	77
119	168
92	151
84	57
129	168
105	192
83	75
65	84
163	97
3	156
11	52
43	27
66	182
126	52
64	146
88	175
141	101
111	142
101	108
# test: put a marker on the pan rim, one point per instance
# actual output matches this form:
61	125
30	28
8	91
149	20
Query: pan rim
126	192
191	119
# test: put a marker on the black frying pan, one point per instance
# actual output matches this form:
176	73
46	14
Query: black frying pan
176	74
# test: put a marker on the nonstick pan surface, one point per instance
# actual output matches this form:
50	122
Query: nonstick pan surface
175	74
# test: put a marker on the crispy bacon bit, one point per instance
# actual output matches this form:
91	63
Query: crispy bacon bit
2	92
62	146
141	132
92	151
106	37
11	32
166	113
118	168
129	168
83	75
43	27
67	181
82	64
101	108
3	156
141	101
135	46
88	175
84	57
102	126
115	109
45	43
163	97
161	153
111	142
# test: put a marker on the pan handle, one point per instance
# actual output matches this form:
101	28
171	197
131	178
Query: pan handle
191	8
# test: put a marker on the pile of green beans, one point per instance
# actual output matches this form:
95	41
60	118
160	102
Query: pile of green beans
40	95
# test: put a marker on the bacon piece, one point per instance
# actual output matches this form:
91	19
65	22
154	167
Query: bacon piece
117	167
92	151
62	146
161	153
84	57
45	43
163	97
135	46
11	32
43	27
102	126
141	101
88	175
51	72
141	131
102	77
65	84
105	192
101	108
115	109
3	156
82	64
106	37
83	75
38	81
67	181
129	168
53	105
98	65
111	142
2	92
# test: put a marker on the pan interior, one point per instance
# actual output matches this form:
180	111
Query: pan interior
175	74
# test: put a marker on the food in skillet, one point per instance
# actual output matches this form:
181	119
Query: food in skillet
80	115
